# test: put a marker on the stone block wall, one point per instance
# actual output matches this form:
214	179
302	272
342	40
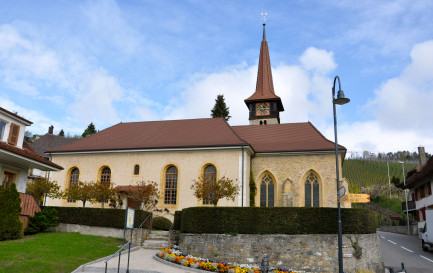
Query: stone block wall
310	253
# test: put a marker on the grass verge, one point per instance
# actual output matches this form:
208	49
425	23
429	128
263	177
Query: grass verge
55	252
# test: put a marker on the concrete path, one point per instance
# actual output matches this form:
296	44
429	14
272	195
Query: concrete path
141	261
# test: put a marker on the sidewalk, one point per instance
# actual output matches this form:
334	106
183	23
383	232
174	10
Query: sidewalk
140	261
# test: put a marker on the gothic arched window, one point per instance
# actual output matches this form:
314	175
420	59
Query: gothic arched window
209	175
312	193
170	193
267	191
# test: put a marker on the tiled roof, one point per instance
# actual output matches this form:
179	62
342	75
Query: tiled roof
290	137
192	133
49	142
26	152
426	170
125	188
15	115
265	86
28	205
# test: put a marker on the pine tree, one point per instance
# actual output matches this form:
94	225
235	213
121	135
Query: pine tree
62	133
220	108
89	131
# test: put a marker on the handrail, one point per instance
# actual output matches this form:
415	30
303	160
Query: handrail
109	258
141	226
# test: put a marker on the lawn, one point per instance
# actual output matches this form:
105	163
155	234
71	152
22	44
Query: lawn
54	252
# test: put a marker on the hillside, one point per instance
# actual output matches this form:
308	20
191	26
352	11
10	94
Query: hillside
363	173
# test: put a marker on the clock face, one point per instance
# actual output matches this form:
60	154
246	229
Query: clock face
262	109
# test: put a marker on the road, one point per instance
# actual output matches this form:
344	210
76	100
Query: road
398	248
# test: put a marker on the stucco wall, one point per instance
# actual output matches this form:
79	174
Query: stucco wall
190	165
289	173
312	253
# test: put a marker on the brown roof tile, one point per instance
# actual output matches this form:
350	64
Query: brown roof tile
26	152
15	115
426	170
290	137
210	132
49	142
28	205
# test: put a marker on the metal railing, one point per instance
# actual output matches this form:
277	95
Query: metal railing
145	220
119	252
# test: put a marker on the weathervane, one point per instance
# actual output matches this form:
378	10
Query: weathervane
264	14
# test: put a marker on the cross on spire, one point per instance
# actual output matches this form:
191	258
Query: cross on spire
264	14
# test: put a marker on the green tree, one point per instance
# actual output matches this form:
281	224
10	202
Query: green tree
220	108
81	191
89	131
213	191
41	188
146	193
102	192
62	133
395	180
10	225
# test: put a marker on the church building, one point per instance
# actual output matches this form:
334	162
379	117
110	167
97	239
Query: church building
291	164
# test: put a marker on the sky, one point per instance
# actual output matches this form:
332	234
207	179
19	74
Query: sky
69	63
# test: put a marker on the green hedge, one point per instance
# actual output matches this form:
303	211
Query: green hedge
251	220
114	218
161	223
177	219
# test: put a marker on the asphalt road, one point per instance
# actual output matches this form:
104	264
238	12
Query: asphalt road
398	248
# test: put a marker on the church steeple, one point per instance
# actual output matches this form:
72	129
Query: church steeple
264	105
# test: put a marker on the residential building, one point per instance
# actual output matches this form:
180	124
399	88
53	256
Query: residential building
43	143
419	181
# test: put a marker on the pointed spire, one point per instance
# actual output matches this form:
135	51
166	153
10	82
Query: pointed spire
265	86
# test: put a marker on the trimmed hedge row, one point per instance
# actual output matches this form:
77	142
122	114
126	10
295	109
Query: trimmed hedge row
177	219
276	220
98	217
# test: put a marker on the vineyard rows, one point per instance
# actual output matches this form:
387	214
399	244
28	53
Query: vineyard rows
364	173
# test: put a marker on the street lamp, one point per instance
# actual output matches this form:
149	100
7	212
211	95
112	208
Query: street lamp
405	196
340	100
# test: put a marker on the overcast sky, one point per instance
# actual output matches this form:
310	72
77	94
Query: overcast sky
69	63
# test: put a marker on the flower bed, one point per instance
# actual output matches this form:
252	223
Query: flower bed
172	254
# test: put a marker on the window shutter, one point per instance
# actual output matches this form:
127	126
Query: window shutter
13	134
429	188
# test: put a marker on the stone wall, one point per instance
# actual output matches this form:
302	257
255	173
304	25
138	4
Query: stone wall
310	253
138	235
400	229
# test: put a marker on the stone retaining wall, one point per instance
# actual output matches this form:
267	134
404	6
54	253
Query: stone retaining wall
400	229
138	236
311	253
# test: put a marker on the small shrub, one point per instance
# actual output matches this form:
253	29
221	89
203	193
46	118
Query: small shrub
10	225
161	223
42	220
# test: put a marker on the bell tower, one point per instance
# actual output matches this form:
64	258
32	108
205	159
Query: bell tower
264	106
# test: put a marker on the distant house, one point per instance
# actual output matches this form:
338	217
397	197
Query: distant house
17	157
43	143
419	182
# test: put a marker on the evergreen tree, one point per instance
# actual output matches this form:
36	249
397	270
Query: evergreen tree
89	131
62	133
10	225
220	108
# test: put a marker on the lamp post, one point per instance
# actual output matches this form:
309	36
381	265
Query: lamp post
340	100
405	196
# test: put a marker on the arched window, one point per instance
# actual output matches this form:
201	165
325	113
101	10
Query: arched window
209	175
267	191
170	186
73	180
136	169
312	193
105	175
